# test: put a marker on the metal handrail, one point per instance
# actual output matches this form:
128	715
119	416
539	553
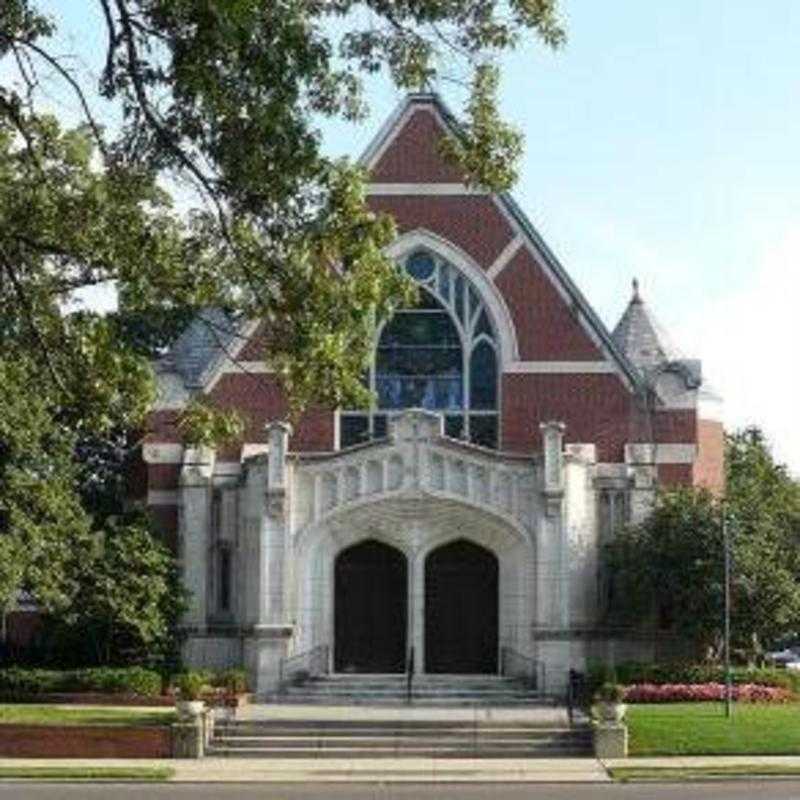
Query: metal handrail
314	662
409	675
518	665
576	692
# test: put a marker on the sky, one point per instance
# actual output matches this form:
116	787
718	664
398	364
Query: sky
661	143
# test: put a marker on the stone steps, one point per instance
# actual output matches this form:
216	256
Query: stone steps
395	738
432	690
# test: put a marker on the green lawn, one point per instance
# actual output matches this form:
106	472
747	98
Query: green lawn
625	774
87	773
702	729
86	715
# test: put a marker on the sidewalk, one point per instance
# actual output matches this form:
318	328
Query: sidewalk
324	770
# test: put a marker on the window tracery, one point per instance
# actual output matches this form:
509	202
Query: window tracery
441	355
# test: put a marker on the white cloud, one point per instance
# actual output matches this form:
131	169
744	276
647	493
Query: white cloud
749	340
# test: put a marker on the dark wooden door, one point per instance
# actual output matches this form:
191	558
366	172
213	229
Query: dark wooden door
461	609
370	609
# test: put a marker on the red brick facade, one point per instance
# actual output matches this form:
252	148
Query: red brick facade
599	404
547	330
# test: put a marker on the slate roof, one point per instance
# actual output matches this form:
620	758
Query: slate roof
209	337
642	338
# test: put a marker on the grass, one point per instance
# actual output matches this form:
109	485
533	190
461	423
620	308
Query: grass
86	715
625	774
87	773
672	729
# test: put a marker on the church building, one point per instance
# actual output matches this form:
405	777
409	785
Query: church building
462	517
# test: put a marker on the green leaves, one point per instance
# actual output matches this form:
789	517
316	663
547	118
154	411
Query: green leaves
489	149
672	564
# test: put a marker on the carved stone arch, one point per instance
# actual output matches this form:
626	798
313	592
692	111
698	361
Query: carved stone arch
420	238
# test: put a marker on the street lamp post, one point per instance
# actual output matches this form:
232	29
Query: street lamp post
726	544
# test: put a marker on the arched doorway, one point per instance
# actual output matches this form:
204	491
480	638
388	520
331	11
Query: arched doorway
370	608
461	609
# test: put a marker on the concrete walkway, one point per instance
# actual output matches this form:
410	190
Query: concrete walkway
331	770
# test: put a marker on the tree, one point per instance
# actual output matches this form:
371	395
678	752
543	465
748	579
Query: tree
669	569
222	99
129	597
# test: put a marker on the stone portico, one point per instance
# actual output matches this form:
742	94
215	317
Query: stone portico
414	491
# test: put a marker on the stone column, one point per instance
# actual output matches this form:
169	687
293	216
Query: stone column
268	630
195	534
552	573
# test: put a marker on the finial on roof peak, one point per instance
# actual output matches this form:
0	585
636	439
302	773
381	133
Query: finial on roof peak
637	298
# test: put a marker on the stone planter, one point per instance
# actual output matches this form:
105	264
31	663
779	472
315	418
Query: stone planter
189	709
611	712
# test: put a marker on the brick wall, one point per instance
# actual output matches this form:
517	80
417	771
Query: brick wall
709	468
472	223
72	741
546	328
413	156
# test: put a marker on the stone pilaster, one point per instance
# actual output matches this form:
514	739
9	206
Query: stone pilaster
195	531
642	470
266	560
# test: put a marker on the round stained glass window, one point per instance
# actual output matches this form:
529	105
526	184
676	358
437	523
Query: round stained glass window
420	266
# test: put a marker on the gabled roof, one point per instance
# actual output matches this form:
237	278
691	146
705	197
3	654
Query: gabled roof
383	139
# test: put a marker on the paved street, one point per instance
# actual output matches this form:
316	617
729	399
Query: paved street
763	790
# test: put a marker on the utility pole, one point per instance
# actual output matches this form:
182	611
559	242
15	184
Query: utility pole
726	544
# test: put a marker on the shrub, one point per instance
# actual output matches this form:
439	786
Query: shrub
610	693
123	680
704	693
233	680
682	672
190	685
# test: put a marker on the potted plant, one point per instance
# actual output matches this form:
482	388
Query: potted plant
234	686
609	702
189	702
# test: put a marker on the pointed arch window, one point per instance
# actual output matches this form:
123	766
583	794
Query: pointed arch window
440	354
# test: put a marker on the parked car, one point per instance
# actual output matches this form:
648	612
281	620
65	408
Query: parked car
785	657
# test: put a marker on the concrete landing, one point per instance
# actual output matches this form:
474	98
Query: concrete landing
543	716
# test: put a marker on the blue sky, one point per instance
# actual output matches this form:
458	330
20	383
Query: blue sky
662	142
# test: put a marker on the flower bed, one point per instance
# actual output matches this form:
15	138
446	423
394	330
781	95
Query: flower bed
704	693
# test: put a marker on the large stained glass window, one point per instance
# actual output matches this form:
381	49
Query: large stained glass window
439	355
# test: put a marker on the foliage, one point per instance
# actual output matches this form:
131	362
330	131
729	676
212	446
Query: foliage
200	424
682	672
222	100
704	693
129	597
610	693
190	685
17	681
233	680
679	549
487	149
42	524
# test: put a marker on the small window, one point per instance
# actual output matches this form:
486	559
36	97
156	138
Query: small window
225	563
483	430
354	429
420	266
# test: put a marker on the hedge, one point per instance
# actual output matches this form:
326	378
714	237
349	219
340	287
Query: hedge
630	673
704	693
123	680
